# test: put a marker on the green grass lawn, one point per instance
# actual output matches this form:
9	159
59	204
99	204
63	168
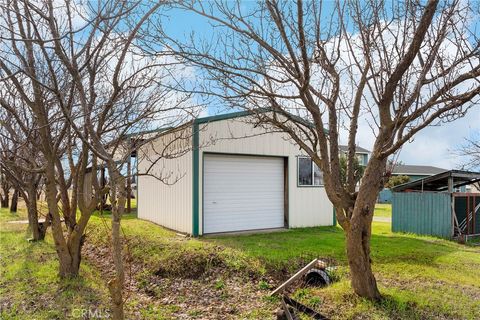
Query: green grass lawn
383	210
29	286
420	277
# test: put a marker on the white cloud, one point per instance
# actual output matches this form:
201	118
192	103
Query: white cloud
433	145
436	145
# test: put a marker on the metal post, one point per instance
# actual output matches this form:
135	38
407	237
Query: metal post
468	214
452	200
129	184
474	214
453	214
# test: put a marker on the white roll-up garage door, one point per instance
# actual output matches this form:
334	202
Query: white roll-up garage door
242	193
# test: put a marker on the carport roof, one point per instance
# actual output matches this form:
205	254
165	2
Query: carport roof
406	169
439	182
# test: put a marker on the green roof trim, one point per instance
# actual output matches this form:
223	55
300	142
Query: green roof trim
137	182
245	113
195	179
224	116
334	217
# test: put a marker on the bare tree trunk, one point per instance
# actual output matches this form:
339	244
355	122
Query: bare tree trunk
358	231
358	253
75	245
38	230
14	203
5	198
64	257
69	252
118	189
103	200
33	220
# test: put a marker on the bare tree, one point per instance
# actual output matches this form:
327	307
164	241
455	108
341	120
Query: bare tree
117	90
324	69
470	152
31	82
80	71
5	186
14	203
22	164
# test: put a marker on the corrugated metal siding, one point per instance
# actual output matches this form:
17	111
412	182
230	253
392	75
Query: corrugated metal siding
308	206
168	204
427	213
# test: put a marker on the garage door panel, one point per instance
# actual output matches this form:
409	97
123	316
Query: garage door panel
242	193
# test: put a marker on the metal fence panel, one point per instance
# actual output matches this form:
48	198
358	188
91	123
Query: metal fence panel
427	213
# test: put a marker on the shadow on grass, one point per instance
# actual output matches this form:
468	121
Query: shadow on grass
31	284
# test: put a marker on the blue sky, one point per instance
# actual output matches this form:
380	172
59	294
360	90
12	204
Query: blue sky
433	146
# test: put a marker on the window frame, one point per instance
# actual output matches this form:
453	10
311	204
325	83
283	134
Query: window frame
313	185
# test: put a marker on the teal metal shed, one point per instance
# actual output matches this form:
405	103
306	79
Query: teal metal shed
431	206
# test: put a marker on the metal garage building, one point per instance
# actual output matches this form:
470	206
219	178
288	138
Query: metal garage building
434	206
230	175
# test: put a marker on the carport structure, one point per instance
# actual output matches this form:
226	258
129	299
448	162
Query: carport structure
436	206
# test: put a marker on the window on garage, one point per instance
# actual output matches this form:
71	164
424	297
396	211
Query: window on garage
309	174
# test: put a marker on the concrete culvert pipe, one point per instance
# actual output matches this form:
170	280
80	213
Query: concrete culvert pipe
317	278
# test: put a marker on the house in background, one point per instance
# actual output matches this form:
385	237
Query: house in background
231	175
363	155
415	172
